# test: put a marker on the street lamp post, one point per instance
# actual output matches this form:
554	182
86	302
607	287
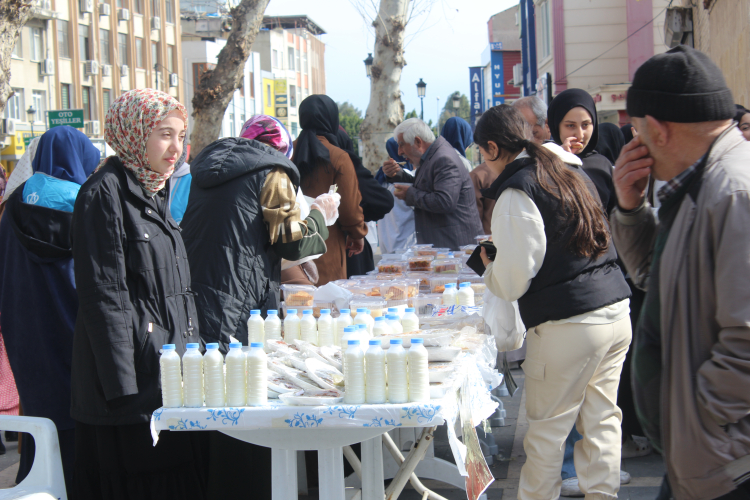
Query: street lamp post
456	103
31	112
368	65
421	86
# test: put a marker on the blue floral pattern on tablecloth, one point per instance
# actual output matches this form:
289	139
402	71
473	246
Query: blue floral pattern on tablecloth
343	411
423	413
227	416
304	420
184	425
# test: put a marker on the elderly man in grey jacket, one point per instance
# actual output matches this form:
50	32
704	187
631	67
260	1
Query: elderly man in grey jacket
691	364
441	191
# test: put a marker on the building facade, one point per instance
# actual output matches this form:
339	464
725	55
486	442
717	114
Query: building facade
83	54
502	53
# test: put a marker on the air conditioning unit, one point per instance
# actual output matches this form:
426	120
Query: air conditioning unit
105	9
8	126
173	80
155	23
123	15
91	68
106	70
92	128
44	4
47	67
517	75
678	27
86	6
124	70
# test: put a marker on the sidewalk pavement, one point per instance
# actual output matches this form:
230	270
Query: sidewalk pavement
646	472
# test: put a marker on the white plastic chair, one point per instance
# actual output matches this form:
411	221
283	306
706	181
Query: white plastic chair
45	480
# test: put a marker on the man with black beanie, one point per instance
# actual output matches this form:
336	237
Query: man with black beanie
691	349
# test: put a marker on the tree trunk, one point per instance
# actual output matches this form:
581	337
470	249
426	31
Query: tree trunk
13	15
385	110
217	86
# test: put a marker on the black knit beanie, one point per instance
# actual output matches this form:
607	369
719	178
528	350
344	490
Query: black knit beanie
681	85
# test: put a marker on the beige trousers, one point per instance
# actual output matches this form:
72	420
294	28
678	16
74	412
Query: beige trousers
572	373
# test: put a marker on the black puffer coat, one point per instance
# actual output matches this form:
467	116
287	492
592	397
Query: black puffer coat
134	296
235	268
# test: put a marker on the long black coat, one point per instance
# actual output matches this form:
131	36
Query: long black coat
134	296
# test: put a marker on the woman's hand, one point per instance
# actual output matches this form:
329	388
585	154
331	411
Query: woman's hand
571	145
483	254
355	246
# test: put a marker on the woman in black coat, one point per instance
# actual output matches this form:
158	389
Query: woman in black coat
134	295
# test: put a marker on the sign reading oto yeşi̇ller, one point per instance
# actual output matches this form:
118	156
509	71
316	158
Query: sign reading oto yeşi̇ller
72	117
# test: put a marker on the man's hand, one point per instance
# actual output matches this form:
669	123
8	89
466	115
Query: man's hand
400	191
391	168
355	246
631	174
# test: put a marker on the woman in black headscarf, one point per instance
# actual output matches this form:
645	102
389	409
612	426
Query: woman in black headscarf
322	163
611	141
376	202
574	126
743	120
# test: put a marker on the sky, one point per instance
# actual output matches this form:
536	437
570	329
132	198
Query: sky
440	47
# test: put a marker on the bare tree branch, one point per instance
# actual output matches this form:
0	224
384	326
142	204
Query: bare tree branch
13	16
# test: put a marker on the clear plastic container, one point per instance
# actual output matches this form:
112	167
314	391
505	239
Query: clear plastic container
319	305
392	266
447	266
291	326
170	366
468	249
470	278
465	295
192	376
397	307
450	295
424	305
354	376
394	290
256	327
298	295
483	237
479	289
325	328
257	375
388	277
423	263
376	305
381	327
339	324
213	376
398	383
437	283
272	325
375	386
423	277
419	376
393	256
308	327
410	321
236	367
420	246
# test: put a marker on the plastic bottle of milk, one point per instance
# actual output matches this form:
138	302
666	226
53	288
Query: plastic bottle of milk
257	376
396	311
350	333
375	374
410	321
236	380
340	323
171	377
381	327
394	323
363	335
449	295
256	327
354	380
272	325
419	377
364	318
325	328
291	326
308	327
213	375
398	386
192	368
465	296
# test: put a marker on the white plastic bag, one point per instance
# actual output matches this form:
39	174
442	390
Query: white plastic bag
304	211
334	293
504	321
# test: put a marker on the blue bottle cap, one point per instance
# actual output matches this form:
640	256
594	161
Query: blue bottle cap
410	309
325	311
392	317
417	341
361	310
254	312
367	311
361	326
350	328
464	285
193	345
291	311
396	341
235	345
450	285
346	311
379	318
307	311
167	347
256	344
393	310
273	311
375	342
353	342
212	345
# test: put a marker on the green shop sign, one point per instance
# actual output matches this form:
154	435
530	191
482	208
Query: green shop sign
72	117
